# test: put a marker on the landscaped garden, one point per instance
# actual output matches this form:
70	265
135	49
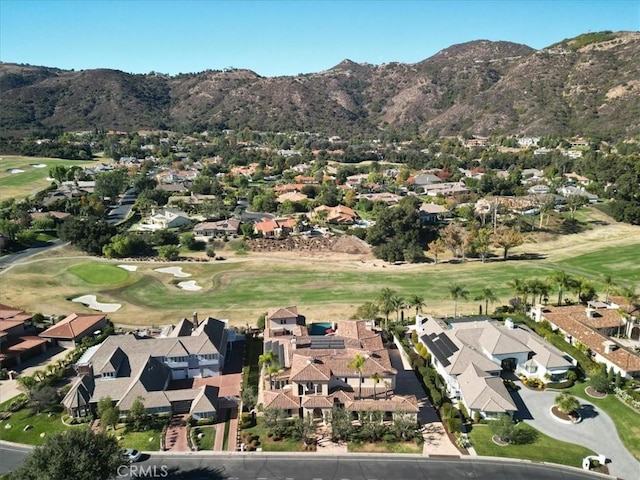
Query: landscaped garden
204	437
542	449
626	420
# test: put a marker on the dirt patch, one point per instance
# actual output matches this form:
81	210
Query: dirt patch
592	392
310	246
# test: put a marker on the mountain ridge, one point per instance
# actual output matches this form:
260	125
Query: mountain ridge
587	85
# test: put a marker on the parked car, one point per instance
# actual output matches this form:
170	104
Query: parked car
132	455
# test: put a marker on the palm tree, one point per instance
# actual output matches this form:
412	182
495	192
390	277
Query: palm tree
273	368
267	360
386	304
397	302
417	302
631	298
608	283
457	291
563	280
376	378
357	364
488	296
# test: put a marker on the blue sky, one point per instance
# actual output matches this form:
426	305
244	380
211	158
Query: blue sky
282	37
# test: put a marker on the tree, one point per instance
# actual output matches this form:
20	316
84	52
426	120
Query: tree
168	252
137	416
563	280
397	302
507	238
249	397
43	396
566	403
607	280
438	247
110	417
385	300
77	453
584	289
600	382
480	242
376	378
275	421
574	202
341	427
417	302
104	404
488	296
110	184
503	428
358	364
404	428
367	311
456	292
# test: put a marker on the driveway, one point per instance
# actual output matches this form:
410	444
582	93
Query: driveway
596	430
436	441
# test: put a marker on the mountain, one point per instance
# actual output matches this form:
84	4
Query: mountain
586	85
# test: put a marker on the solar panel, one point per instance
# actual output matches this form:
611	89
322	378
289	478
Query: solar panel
441	347
327	342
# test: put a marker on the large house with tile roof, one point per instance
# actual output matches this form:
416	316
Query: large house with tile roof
470	355
16	341
596	326
316	372
73	328
127	367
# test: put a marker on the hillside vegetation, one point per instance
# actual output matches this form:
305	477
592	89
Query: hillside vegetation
587	85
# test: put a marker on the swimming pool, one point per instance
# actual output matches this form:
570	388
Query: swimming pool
319	328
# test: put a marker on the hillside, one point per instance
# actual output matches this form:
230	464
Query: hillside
586	85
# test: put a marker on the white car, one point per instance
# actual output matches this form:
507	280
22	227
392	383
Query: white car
132	455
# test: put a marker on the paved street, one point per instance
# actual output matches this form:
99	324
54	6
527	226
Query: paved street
596	430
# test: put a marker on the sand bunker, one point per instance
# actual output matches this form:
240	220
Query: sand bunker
39	165
131	268
189	285
92	302
15	170
175	271
49	179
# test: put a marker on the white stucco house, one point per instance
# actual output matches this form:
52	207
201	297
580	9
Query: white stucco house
471	354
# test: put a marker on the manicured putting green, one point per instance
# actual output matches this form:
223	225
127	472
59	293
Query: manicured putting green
98	274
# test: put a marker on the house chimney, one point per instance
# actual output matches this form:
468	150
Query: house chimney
589	311
509	324
195	319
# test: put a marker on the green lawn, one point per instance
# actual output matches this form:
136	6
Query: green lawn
208	437
544	449
99	273
622	264
627	421
41	423
31	179
148	440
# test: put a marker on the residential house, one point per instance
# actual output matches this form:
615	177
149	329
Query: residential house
274	227
126	367
317	374
576	178
471	354
70	331
339	214
569	190
219	228
164	218
423	179
432	212
446	189
384	197
17	342
595	327
291	197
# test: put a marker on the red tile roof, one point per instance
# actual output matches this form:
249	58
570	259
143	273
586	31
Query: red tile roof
73	326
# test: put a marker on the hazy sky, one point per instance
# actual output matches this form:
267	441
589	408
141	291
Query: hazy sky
282	37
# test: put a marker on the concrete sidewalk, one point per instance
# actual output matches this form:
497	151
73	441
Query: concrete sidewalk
596	430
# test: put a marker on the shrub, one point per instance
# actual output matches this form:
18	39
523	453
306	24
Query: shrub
454	424
601	382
